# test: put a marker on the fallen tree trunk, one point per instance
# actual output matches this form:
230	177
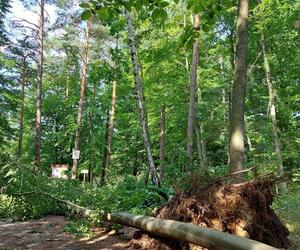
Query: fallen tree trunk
188	232
181	231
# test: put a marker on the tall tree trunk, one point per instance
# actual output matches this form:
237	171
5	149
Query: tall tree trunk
201	146
22	104
226	102
38	117
193	87
105	152
199	149
110	127
238	91
92	155
162	141
272	112
109	132
81	98
67	82
232	63
140	99
91	135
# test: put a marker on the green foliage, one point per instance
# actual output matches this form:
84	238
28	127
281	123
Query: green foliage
79	228
122	194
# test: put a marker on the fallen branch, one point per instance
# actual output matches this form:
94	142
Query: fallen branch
181	231
85	212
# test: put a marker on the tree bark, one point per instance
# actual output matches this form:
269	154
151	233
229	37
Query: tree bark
38	117
193	87
272	112
238	91
140	99
81	97
22	104
162	138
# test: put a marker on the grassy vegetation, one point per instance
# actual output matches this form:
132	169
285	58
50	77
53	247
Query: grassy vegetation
287	207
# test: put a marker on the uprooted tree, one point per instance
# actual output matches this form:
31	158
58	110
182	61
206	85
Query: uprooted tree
217	216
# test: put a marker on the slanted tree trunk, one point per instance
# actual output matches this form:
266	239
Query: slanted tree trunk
186	56
200	236
110	126
81	97
238	91
193	87
140	99
22	104
272	112
38	117
162	140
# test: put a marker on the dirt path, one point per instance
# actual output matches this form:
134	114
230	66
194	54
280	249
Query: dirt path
47	233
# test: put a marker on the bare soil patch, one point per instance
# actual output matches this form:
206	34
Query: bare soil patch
48	233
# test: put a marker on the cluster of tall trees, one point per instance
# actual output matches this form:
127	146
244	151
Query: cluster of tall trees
158	88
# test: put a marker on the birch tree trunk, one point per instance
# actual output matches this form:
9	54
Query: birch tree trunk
140	99
162	138
81	97
38	117
238	91
272	112
193	87
22	104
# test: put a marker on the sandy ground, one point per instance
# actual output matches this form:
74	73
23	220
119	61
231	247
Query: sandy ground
47	233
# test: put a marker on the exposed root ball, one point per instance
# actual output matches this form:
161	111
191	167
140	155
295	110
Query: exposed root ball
241	209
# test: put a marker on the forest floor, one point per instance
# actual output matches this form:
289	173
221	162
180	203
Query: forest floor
48	233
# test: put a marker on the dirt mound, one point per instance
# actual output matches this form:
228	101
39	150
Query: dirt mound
240	209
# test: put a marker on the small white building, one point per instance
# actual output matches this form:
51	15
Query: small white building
59	171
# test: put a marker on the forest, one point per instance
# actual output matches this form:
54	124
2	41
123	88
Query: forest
151	124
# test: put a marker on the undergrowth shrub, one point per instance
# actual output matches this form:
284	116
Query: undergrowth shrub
121	194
